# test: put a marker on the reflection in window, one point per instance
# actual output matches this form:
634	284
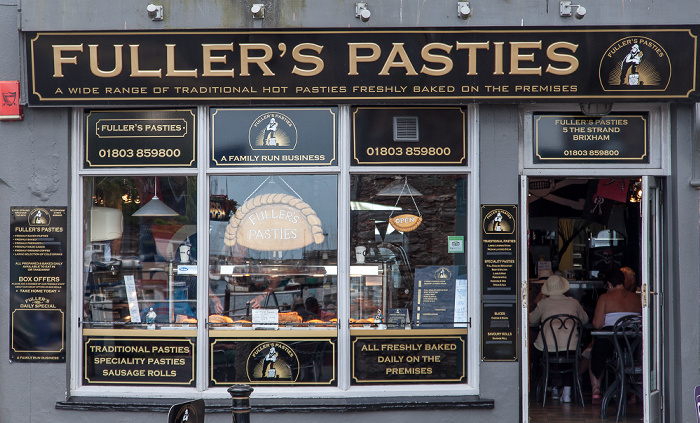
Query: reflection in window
273	250
399	236
140	249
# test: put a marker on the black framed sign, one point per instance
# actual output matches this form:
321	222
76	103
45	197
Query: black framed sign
138	361
577	138
414	359
138	138
38	278
363	66
499	331
409	136
273	137
499	255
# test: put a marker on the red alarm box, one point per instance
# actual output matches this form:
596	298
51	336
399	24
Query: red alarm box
10	109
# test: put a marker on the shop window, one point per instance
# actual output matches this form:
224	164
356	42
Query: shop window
273	265
139	261
408	291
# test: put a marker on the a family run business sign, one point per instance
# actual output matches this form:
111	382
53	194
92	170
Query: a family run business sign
318	66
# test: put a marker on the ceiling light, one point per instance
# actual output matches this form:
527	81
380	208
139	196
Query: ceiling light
398	188
155	207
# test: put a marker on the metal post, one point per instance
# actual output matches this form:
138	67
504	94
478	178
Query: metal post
240	396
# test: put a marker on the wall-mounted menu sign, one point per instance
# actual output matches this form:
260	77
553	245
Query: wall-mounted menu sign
273	137
418	359
498	332
577	138
134	138
409	136
499	253
38	284
435	297
139	361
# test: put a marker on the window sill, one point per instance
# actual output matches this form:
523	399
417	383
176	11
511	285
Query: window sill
288	405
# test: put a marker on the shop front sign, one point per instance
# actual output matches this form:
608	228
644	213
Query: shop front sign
418	359
138	361
140	138
319	66
577	138
273	137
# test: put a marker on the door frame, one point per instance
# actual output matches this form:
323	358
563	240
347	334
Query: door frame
651	274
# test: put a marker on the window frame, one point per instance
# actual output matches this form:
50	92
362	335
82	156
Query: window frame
343	170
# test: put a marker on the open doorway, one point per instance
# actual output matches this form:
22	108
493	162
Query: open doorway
584	230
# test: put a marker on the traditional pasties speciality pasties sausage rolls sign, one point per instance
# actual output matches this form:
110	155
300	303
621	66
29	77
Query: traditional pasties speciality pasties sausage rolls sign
274	222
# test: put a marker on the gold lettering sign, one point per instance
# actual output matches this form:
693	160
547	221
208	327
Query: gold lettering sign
274	222
405	222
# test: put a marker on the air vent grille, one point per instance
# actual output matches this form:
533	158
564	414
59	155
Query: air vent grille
405	128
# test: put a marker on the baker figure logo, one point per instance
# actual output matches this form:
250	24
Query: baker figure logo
630	63
635	64
39	217
273	362
273	131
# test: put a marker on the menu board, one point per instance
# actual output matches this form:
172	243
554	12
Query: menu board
499	341
418	359
38	284
499	251
434	296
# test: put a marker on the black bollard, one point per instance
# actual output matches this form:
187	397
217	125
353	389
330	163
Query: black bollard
240	396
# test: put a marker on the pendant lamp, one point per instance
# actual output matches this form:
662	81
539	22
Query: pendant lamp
398	188
155	207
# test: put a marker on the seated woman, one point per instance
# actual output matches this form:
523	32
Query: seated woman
555	302
616	303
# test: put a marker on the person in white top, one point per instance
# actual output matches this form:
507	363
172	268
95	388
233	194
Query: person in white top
555	302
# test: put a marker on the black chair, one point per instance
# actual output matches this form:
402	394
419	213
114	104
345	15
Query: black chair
627	337
562	358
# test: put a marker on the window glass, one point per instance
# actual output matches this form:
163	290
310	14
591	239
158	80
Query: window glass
140	249
273	250
408	265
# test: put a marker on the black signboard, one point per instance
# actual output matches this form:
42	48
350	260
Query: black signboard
409	136
131	138
387	65
279	361
418	359
273	137
499	331
189	412
38	280
434	296
499	254
577	138
139	361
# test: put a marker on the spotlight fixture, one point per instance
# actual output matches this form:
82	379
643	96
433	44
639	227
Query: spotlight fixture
362	12
463	9
155	12
596	109
567	9
258	11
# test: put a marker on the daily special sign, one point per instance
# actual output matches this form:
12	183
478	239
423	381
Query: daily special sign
38	281
394	65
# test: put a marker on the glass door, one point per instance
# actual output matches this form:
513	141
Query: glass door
652	298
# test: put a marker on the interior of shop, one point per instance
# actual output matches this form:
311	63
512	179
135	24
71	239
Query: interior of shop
581	230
